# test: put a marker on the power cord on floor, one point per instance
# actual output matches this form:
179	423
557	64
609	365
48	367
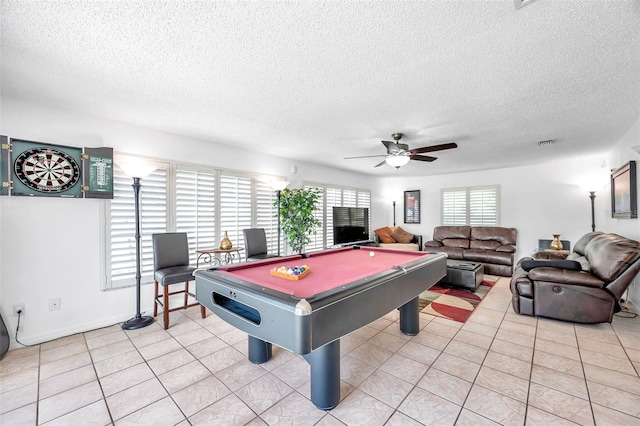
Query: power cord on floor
18	328
626	313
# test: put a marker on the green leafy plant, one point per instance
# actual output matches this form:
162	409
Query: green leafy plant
296	216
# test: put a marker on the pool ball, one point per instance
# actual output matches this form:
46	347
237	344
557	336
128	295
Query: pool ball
371	254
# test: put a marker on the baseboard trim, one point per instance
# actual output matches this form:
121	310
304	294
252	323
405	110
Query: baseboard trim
38	339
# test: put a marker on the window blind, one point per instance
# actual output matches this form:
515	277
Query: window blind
474	206
235	207
336	196
196	209
317	240
266	215
483	206
121	270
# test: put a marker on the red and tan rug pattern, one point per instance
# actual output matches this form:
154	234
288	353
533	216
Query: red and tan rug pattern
454	303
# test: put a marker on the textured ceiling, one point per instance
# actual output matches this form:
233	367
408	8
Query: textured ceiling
319	81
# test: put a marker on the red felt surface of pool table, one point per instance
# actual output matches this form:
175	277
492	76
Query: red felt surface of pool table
329	269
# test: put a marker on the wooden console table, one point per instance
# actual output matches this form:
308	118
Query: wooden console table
218	256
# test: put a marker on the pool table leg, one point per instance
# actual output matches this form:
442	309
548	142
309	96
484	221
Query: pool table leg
259	350
325	375
410	317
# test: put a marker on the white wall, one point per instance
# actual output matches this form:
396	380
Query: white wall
51	247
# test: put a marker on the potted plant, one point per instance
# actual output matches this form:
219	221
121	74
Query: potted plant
296	216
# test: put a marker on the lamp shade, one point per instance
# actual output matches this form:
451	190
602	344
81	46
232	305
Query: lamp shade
135	167
279	185
397	160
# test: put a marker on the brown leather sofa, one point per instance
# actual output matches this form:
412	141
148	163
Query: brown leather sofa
492	246
584	288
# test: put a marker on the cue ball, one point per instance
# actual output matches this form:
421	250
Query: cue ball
371	254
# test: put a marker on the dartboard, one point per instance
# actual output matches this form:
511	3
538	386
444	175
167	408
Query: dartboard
47	170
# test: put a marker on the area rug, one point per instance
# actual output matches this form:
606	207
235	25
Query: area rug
454	303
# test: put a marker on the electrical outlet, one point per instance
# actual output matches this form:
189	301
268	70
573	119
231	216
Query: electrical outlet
18	307
54	304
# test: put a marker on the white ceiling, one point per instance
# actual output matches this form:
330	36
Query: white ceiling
319	81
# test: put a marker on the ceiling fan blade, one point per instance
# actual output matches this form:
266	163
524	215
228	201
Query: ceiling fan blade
423	158
433	148
363	156
392	147
381	163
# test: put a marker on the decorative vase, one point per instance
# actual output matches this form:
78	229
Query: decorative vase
225	244
556	244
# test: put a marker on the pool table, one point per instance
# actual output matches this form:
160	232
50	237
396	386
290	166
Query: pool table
345	289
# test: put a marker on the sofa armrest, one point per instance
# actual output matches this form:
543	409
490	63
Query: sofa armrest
572	265
565	276
507	248
433	243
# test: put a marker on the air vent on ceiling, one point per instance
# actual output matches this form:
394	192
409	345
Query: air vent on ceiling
519	4
547	142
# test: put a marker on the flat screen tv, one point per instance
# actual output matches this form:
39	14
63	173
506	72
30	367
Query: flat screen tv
350	225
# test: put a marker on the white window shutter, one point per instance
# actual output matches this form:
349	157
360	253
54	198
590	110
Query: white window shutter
483	206
474	206
235	207
153	219
266	215
196	209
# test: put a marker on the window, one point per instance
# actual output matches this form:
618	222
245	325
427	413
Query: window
235	207
203	202
121	267
196	208
266	215
317	240
339	197
474	206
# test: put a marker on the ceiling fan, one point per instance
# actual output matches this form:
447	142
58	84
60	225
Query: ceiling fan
398	154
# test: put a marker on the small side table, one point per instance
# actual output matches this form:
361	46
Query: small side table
218	256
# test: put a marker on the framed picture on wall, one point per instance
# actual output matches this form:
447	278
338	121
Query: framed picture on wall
624	192
412	206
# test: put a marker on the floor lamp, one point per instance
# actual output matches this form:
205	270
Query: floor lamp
137	169
592	195
279	185
394	213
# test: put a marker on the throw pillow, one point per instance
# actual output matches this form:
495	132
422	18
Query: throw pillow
384	235
401	236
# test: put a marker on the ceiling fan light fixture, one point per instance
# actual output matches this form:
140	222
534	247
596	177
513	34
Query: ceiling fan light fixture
397	160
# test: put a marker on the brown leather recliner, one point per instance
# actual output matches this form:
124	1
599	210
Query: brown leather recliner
607	264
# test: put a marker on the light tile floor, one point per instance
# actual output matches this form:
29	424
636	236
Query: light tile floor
498	368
